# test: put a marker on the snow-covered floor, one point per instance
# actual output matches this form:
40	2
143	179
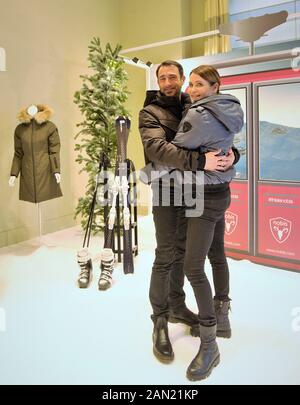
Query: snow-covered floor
51	332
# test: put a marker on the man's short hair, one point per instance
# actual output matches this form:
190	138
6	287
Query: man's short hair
171	63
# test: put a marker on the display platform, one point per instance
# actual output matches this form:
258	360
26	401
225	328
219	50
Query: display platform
57	333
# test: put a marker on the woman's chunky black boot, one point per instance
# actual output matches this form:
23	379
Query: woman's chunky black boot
223	325
207	357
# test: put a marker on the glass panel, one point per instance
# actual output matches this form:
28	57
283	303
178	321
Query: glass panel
284	32
238	6
298	19
279	132
240	139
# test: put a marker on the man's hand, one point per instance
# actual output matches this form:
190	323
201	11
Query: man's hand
230	159
218	163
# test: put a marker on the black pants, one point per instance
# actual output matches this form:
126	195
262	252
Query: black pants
205	236
167	279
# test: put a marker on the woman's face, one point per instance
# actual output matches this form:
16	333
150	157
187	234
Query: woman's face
200	88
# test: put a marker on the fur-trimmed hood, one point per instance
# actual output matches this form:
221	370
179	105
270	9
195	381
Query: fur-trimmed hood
43	115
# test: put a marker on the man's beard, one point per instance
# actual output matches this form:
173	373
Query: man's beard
177	93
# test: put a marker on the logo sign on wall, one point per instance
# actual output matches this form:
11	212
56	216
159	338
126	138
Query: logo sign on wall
280	228
2	60
279	221
236	218
231	221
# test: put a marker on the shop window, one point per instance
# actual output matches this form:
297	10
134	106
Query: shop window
240	139
279	132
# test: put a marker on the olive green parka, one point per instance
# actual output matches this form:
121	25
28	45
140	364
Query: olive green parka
37	147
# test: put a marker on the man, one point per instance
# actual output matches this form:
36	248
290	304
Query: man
158	124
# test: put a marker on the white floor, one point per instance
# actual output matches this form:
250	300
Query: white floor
51	332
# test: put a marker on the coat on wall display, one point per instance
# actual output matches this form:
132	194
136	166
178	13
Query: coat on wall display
37	147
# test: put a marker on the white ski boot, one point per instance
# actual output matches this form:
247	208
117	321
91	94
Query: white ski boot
107	268
85	262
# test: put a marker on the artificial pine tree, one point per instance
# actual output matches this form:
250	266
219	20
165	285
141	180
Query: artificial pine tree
101	99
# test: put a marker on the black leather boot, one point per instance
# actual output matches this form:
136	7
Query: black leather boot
223	325
183	315
162	347
207	357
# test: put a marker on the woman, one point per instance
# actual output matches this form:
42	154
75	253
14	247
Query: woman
210	124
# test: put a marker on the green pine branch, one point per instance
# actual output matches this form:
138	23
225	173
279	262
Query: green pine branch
101	99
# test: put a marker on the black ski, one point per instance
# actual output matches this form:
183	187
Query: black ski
122	128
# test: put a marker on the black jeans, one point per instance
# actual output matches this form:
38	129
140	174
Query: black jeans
167	279
205	236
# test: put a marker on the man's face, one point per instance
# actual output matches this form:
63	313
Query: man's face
169	81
